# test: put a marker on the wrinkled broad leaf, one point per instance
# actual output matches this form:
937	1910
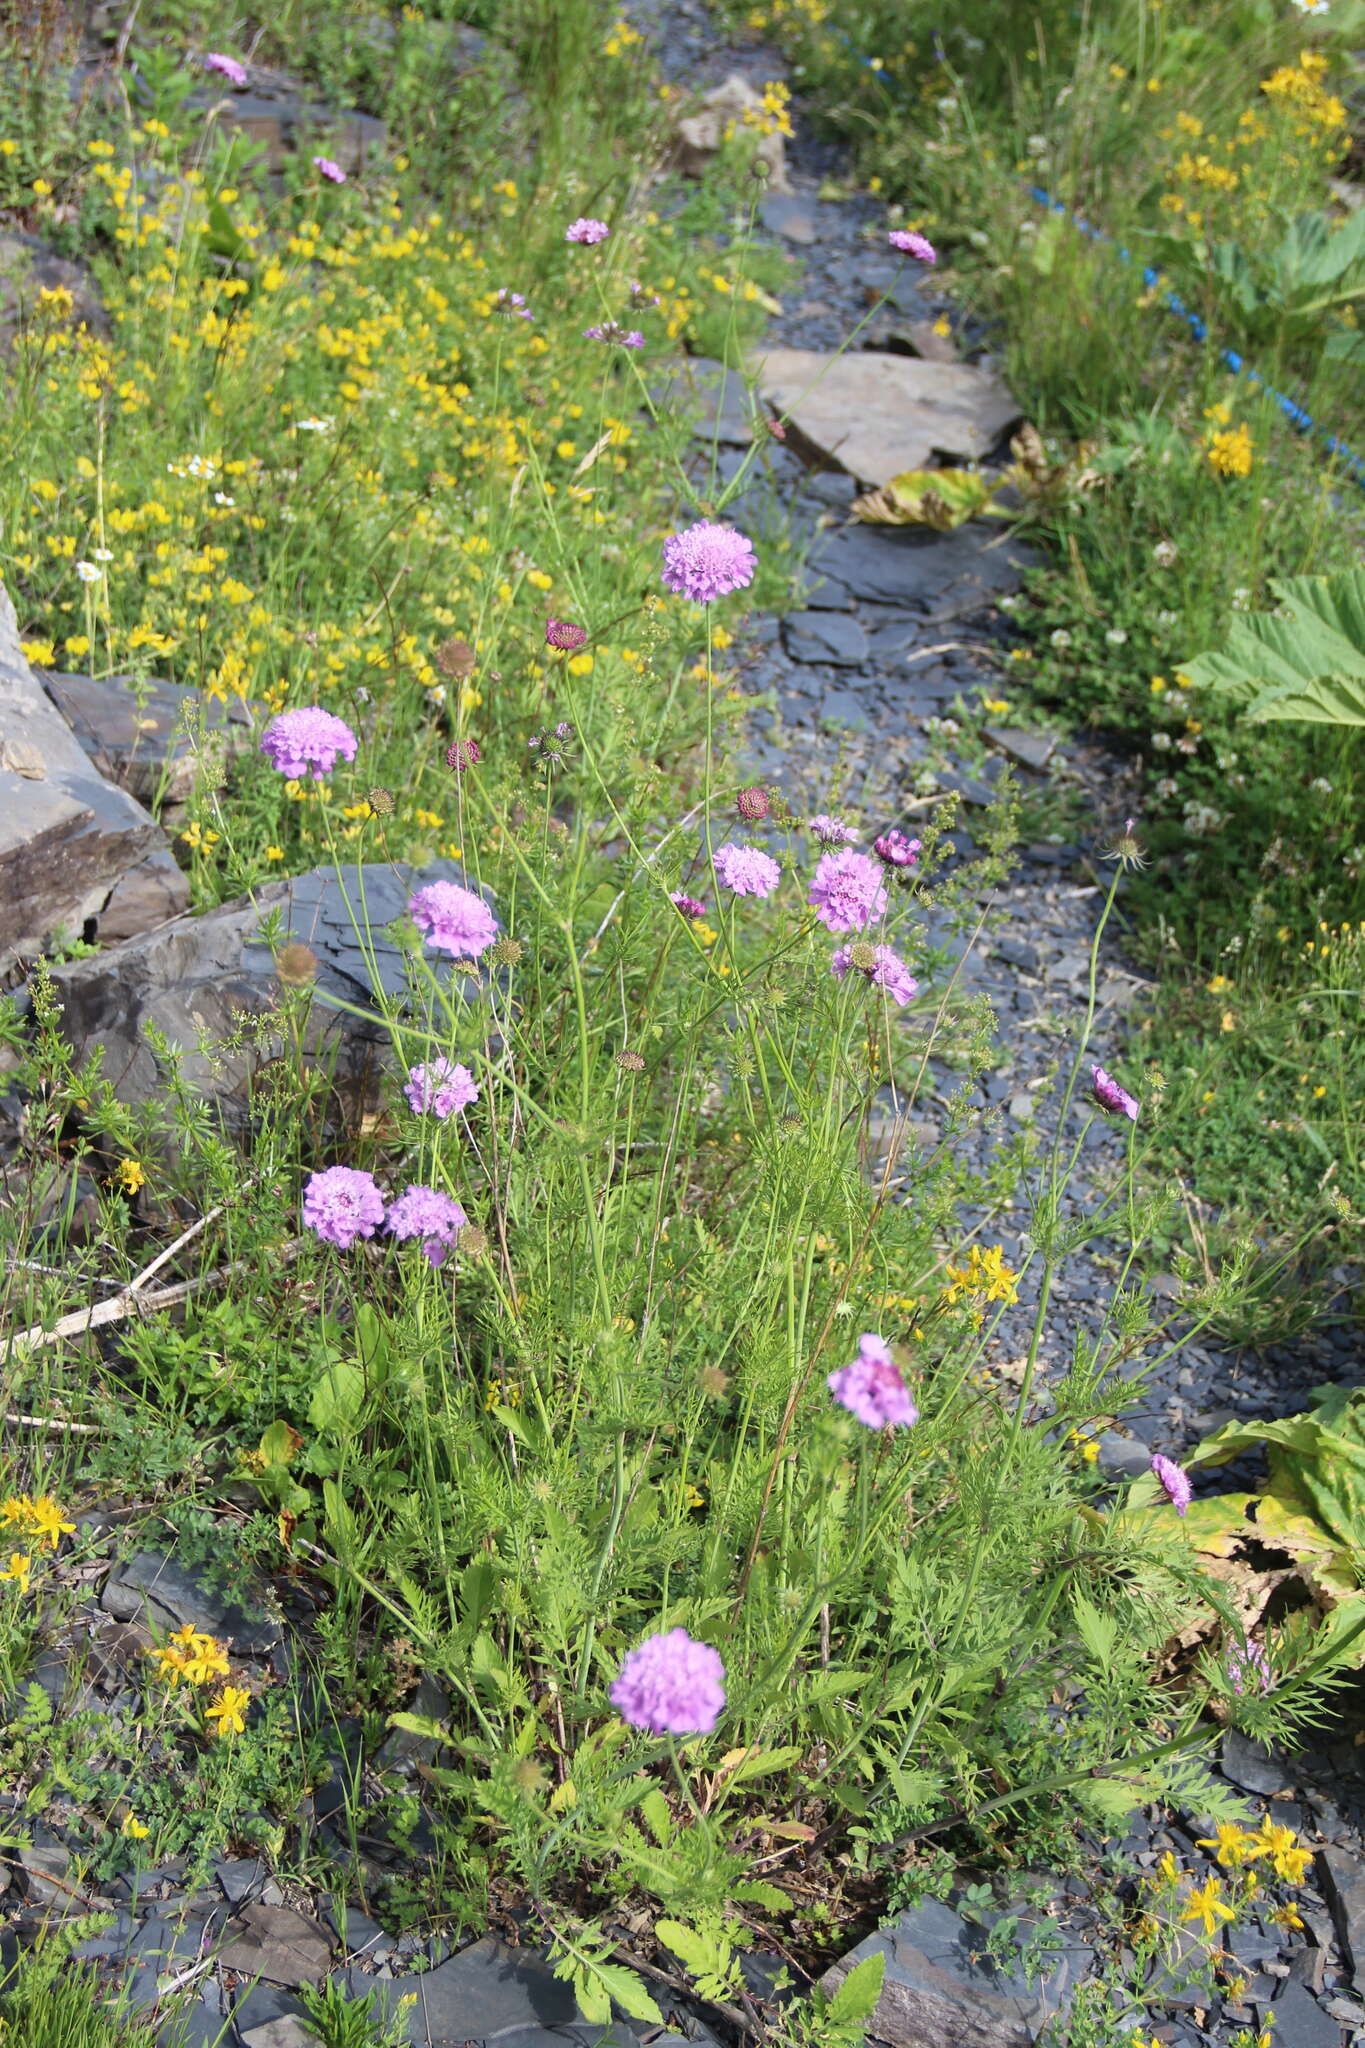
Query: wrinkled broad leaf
1305	661
941	498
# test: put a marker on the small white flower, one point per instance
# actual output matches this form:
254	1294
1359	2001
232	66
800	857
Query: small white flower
101	554
1116	636
88	572
200	466
1008	604
1311	6
1166	787
1321	785
313	426
222	498
1165	553
1168	618
1241	599
1161	741
1061	638
436	692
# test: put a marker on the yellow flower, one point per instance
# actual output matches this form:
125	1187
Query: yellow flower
1229	452
19	1569
1218	985
579	664
134	1828
1207	1905
1232	1844
45	1520
1168	1870
130	1175
8	148
274	853
1158	684
41	189
986	1274
229	1710
1227	1022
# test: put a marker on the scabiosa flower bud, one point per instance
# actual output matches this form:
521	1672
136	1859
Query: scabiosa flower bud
473	1241
777	428
309	741
630	1062
871	1388
453	920
791	1123
463	754
325	168
427	1213
585	229
879	965
456	659
296	964
231	70
671	1685
707	561
753	804
1112	1099
895	850
380	802
440	1088
564	636
714	1382
341	1204
513	305
505	952
611	331
911	244
847	891
1174	1483
687	906
747	870
832	831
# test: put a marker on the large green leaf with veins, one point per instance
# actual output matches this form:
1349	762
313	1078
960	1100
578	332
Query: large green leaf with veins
1303	662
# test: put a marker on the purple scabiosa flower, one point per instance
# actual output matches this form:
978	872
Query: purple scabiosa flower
513	304
232	71
832	831
611	330
564	636
871	1388
463	754
746	870
880	966
325	168
1115	1101
453	920
436	1218
439	1088
341	1204
707	561
687	906
639	296
1247	1667
911	244
894	850
671	1685
847	891
586	230
753	804
308	742
1173	1482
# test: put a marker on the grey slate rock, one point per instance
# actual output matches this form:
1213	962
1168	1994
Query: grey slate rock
1121	1456
936	1995
1030	749
1251	1766
792	216
948	574
824	636
277	1944
1300	2021
1342	1877
844	708
400	1746
136	733
243	1879
152	1581
490	1993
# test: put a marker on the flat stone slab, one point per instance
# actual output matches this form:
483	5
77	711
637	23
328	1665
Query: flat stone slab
154	1585
875	415
716	399
1030	749
136	734
27	267
937	1994
489	1993
820	636
943	575
68	837
277	1945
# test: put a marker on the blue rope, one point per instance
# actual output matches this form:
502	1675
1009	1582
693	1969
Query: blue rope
1229	357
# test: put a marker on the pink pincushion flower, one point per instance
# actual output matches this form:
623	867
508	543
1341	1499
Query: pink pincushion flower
325	168
671	1685
707	561
1115	1101
747	870
847	891
585	229
894	850
687	906
887	971
753	803
610	330
564	636
911	244
1174	1483
453	920
832	831
309	741
1248	1668
436	1218
871	1388
232	71
342	1204
439	1088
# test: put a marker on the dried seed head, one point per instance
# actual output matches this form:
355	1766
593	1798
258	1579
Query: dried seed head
505	952
380	802
473	1241
714	1382
630	1062
456	658
862	956
791	1124
296	964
